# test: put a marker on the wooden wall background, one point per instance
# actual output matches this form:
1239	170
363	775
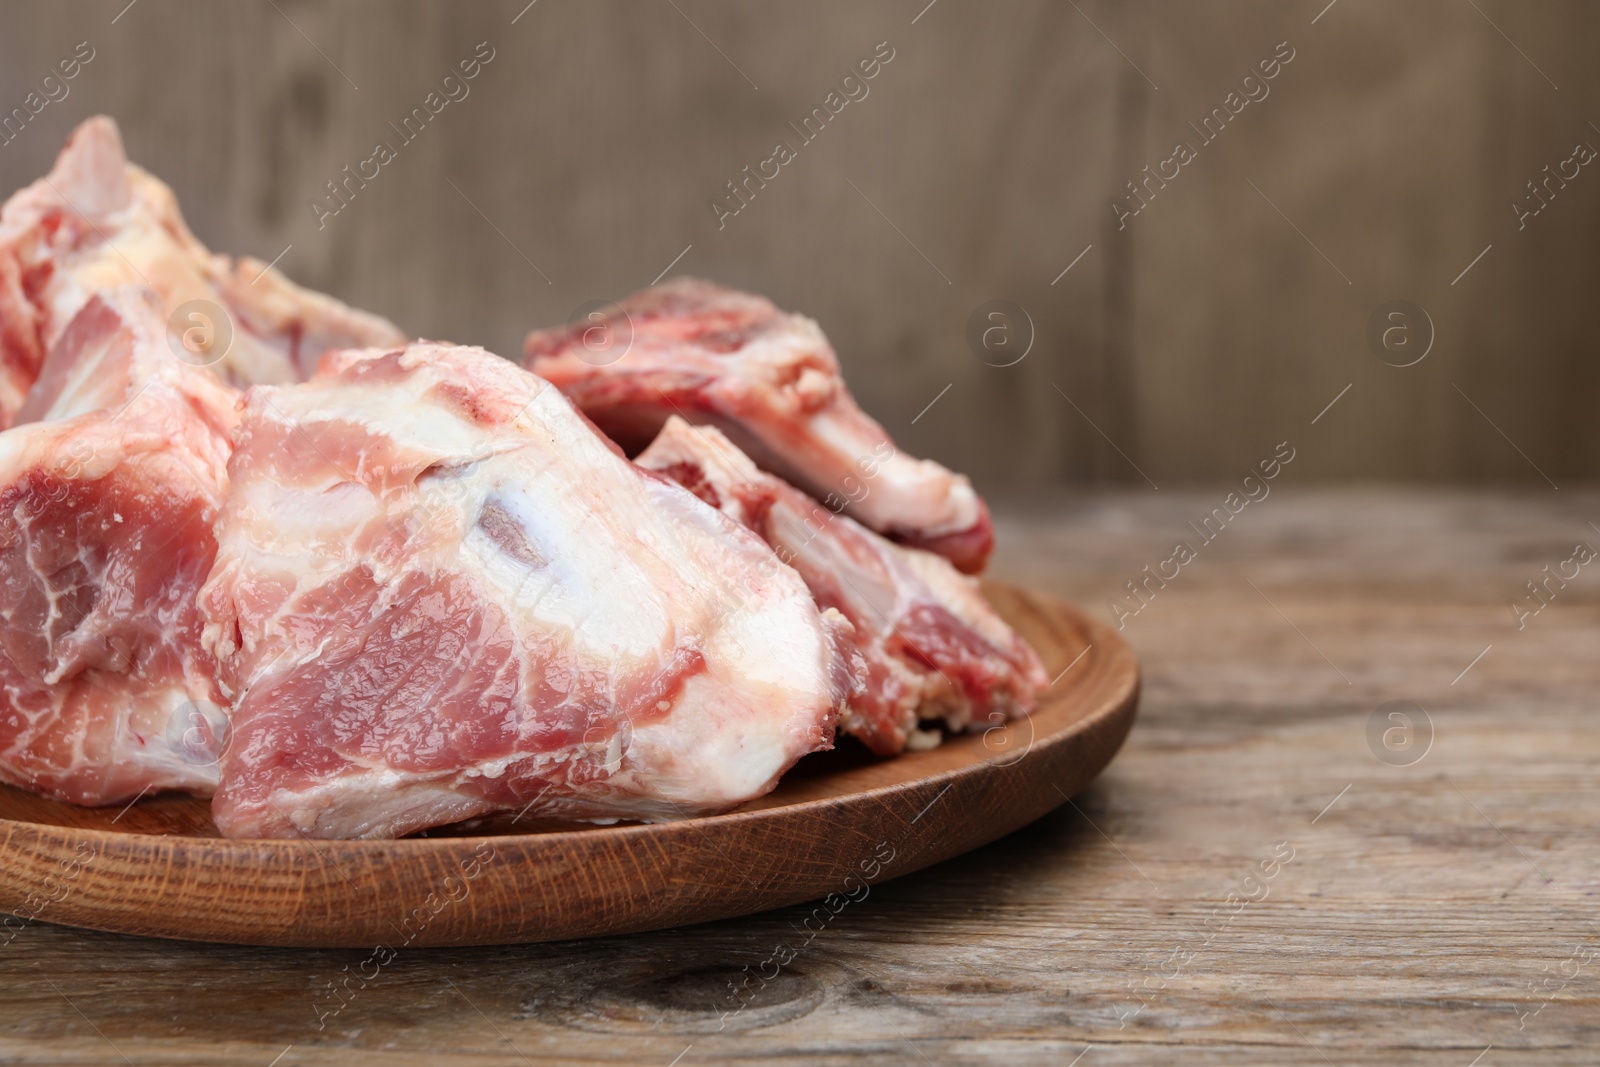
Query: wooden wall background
1212	327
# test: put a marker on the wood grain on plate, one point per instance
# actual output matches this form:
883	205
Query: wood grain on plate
838	821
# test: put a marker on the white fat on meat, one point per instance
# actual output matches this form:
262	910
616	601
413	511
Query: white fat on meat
933	647
440	593
772	383
96	222
105	538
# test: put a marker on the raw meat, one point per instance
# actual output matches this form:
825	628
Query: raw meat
96	222
771	382
439	593
116	349
933	646
105	538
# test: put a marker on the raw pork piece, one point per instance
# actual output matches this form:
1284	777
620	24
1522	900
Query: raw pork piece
934	647
96	222
771	382
105	538
440	593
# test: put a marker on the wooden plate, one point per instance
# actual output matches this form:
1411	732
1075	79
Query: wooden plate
836	823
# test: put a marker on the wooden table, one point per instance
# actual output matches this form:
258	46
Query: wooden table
1248	881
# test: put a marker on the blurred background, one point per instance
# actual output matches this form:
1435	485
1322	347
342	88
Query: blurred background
1388	157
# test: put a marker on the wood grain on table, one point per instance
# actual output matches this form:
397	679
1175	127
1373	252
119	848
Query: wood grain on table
1378	914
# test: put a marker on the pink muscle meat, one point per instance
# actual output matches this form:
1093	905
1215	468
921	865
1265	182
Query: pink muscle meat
439	593
96	222
933	646
771	382
105	539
